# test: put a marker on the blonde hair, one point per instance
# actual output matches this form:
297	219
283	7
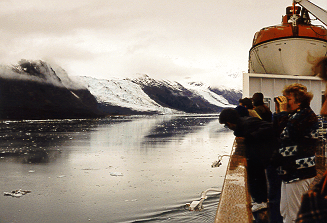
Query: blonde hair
300	93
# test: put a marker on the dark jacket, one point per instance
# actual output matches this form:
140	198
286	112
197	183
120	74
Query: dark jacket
242	111
264	112
259	138
299	140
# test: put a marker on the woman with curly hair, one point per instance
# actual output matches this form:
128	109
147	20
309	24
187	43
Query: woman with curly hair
297	126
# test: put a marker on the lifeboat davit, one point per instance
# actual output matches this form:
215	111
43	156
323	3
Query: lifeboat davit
291	48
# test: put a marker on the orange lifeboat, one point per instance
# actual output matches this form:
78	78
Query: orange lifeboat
290	48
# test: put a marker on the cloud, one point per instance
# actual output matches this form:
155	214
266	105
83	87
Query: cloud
101	38
61	17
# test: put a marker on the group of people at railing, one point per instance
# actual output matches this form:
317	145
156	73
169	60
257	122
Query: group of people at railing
280	153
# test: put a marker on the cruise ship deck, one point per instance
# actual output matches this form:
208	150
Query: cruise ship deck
235	200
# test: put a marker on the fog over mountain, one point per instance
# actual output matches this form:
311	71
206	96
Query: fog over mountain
40	90
37	90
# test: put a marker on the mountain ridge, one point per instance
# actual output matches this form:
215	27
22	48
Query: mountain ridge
40	90
145	95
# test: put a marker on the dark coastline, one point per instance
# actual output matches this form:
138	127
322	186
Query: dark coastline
25	99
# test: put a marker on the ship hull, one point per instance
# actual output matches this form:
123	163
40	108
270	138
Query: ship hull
286	56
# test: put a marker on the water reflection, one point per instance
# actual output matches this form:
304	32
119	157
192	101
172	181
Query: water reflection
32	156
178	127
69	162
39	141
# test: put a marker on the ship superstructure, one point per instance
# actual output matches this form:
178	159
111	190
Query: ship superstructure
280	55
292	47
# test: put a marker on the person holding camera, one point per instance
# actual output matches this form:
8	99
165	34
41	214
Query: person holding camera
318	194
297	127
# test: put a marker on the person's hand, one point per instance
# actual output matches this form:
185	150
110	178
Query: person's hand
282	102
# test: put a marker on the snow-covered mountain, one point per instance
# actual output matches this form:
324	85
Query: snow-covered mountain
38	90
122	96
145	95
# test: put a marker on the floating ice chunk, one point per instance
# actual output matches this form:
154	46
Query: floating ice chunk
16	193
116	174
12	194
61	176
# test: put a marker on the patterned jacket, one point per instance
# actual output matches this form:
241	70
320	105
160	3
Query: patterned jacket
299	140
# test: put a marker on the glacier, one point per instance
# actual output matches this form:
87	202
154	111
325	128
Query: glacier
122	93
140	94
40	90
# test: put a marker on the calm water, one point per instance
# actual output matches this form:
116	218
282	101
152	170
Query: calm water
132	169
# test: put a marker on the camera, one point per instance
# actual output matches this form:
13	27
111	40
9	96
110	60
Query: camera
279	99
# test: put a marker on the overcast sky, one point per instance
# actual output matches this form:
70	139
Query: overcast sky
168	39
